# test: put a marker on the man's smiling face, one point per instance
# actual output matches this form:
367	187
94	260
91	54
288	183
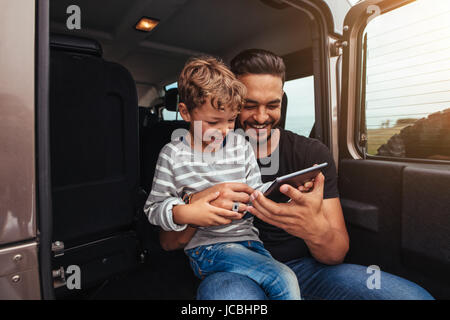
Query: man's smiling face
262	109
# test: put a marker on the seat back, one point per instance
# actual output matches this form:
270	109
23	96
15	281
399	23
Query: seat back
153	138
94	149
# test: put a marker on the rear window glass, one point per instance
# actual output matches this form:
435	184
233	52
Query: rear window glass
170	115
407	84
300	114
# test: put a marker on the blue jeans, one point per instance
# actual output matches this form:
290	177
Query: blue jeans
318	282
247	259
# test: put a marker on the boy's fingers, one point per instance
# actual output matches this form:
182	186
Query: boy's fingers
218	221
227	213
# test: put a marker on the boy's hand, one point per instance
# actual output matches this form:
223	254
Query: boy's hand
202	213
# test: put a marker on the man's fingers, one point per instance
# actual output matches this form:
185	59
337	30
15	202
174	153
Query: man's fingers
276	211
240	187
261	208
262	203
291	192
265	217
240	197
309	185
212	196
242	207
319	183
306	187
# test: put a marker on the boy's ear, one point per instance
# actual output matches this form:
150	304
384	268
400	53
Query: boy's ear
184	112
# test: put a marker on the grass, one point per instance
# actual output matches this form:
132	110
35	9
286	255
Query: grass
378	137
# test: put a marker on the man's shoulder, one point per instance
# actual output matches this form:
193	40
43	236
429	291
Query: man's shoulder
297	141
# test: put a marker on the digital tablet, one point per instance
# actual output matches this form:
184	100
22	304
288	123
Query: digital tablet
295	179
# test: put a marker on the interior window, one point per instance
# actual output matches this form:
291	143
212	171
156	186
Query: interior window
171	86
300	114
407	83
170	115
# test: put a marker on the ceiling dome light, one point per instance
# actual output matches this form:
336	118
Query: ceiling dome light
146	24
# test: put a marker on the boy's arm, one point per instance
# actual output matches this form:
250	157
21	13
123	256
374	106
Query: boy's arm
229	193
163	196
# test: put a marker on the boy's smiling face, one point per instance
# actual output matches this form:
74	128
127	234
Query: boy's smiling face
208	124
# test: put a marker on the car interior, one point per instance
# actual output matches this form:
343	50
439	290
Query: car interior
111	111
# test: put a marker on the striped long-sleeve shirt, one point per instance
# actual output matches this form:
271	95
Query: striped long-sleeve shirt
181	169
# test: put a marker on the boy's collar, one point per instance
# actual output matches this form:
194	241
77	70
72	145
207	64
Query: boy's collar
184	140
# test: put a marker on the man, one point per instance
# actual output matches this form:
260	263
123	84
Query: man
308	233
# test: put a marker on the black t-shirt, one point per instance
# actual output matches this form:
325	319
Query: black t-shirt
295	153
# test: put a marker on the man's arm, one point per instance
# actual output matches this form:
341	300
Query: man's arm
173	240
318	222
332	245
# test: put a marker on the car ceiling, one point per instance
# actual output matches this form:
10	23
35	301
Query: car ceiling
187	27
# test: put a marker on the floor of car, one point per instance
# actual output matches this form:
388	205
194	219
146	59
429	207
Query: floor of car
164	275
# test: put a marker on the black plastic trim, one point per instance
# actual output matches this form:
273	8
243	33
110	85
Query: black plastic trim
43	177
320	48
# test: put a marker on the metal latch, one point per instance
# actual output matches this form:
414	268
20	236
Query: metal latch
336	48
59	278
363	144
58	248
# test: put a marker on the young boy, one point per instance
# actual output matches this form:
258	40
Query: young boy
209	154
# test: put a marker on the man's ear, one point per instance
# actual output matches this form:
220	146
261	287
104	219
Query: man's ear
184	112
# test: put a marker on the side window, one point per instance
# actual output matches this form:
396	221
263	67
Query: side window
407	82
300	114
170	115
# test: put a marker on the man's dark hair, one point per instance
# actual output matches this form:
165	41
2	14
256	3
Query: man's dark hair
258	61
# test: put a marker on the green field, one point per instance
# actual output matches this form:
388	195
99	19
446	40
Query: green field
378	137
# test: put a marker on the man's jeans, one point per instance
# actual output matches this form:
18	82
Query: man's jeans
317	281
247	259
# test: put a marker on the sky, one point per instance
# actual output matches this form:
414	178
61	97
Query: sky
408	65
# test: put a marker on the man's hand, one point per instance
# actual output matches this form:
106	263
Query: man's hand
320	223
302	216
230	192
202	213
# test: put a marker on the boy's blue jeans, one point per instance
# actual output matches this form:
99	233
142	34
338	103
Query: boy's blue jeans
318	282
250	259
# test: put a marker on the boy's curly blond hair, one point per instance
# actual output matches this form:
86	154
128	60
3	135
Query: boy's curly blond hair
206	76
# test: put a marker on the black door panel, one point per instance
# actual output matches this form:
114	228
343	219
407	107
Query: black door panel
397	216
376	187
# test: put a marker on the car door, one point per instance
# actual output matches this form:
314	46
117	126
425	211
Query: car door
19	269
394	139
